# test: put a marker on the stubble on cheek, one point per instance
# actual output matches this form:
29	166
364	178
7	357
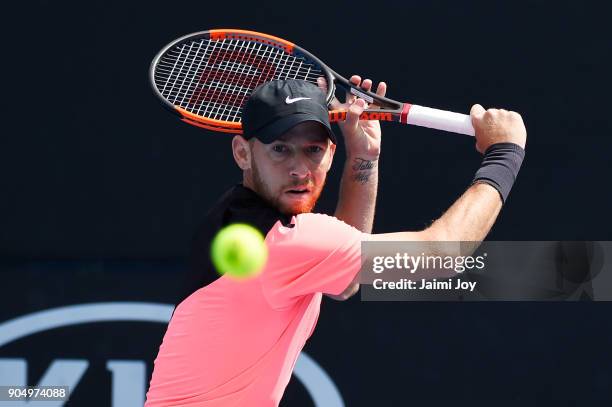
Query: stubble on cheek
262	188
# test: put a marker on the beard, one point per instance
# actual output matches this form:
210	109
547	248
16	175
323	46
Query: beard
275	200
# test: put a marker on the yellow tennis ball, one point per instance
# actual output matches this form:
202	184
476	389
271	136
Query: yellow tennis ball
239	251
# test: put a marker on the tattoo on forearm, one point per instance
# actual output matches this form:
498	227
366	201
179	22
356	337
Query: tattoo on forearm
362	170
361	164
362	177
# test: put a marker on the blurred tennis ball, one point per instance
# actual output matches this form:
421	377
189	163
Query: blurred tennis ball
239	251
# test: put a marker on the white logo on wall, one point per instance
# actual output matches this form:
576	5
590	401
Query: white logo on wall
128	376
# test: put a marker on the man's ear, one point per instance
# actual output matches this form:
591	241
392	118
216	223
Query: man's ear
242	152
332	151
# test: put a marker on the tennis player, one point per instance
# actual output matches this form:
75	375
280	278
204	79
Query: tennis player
235	343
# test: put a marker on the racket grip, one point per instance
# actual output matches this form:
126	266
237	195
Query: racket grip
440	119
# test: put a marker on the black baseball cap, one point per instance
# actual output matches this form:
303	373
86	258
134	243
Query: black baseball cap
277	106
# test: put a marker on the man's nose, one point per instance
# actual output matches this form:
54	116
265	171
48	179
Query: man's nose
299	169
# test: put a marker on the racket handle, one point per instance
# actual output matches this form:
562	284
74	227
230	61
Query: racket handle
440	119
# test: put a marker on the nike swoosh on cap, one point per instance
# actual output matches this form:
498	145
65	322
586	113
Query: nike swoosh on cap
289	100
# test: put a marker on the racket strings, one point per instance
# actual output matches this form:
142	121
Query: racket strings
216	90
229	85
214	78
238	80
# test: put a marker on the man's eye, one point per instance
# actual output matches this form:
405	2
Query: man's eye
314	149
279	148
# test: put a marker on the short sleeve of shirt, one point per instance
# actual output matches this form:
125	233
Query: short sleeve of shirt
316	254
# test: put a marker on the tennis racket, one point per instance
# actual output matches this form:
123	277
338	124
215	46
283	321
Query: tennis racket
206	77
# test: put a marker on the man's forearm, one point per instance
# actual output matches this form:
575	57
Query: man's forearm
470	218
358	188
356	203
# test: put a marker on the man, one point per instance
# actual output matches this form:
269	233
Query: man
235	343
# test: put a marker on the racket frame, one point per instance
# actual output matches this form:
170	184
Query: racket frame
220	34
385	109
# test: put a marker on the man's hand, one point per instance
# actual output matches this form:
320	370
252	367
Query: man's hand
361	137
497	126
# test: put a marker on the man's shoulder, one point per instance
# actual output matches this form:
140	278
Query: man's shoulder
313	230
321	220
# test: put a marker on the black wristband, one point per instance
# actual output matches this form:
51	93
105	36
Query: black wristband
500	167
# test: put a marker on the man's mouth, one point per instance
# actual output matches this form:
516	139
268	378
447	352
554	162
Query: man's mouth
298	191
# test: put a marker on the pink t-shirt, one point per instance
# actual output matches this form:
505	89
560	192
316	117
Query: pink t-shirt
235	343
